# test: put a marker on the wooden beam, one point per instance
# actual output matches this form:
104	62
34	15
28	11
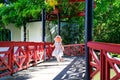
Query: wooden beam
76	0
67	16
71	1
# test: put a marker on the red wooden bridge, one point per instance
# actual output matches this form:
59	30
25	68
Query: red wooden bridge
16	56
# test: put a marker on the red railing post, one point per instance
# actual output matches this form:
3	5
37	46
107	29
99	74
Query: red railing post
12	59
107	71
35	54
103	66
27	56
42	52
90	60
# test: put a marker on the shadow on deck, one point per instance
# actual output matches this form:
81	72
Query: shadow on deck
73	68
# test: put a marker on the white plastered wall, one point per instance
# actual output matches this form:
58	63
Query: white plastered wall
34	31
15	32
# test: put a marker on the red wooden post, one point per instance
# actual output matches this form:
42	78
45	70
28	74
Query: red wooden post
82	49
90	60
102	65
35	54
27	57
107	71
42	52
12	59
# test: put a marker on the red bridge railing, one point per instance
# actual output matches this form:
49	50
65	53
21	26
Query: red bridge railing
74	49
102	61
15	56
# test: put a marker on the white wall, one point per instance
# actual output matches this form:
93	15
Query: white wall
34	31
15	32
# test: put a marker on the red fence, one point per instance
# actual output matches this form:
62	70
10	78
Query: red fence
74	49
102	61
15	56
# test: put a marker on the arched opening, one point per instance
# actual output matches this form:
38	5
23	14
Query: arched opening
5	35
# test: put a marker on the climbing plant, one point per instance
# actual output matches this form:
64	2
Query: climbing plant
106	15
21	11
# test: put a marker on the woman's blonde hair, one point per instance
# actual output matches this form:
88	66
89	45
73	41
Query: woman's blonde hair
58	38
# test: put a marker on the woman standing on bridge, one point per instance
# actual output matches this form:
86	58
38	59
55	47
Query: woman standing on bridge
58	51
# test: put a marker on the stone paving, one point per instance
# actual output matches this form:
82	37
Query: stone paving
73	68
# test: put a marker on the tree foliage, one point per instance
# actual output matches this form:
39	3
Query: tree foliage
106	21
106	17
73	31
21	11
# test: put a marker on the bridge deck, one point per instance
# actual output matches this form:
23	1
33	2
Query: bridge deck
73	68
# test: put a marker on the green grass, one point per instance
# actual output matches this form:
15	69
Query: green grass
97	76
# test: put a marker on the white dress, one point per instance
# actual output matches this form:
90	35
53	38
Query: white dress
58	51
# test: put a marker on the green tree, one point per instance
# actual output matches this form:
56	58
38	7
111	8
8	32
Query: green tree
106	21
21	11
106	17
73	30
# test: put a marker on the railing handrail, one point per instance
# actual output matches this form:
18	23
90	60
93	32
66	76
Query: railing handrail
101	60
111	47
16	43
73	45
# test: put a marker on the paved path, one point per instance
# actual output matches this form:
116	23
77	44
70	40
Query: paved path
73	68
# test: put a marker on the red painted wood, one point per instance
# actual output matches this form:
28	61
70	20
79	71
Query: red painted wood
24	54
74	49
94	62
54	16
99	52
102	66
21	55
105	46
15	56
76	0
